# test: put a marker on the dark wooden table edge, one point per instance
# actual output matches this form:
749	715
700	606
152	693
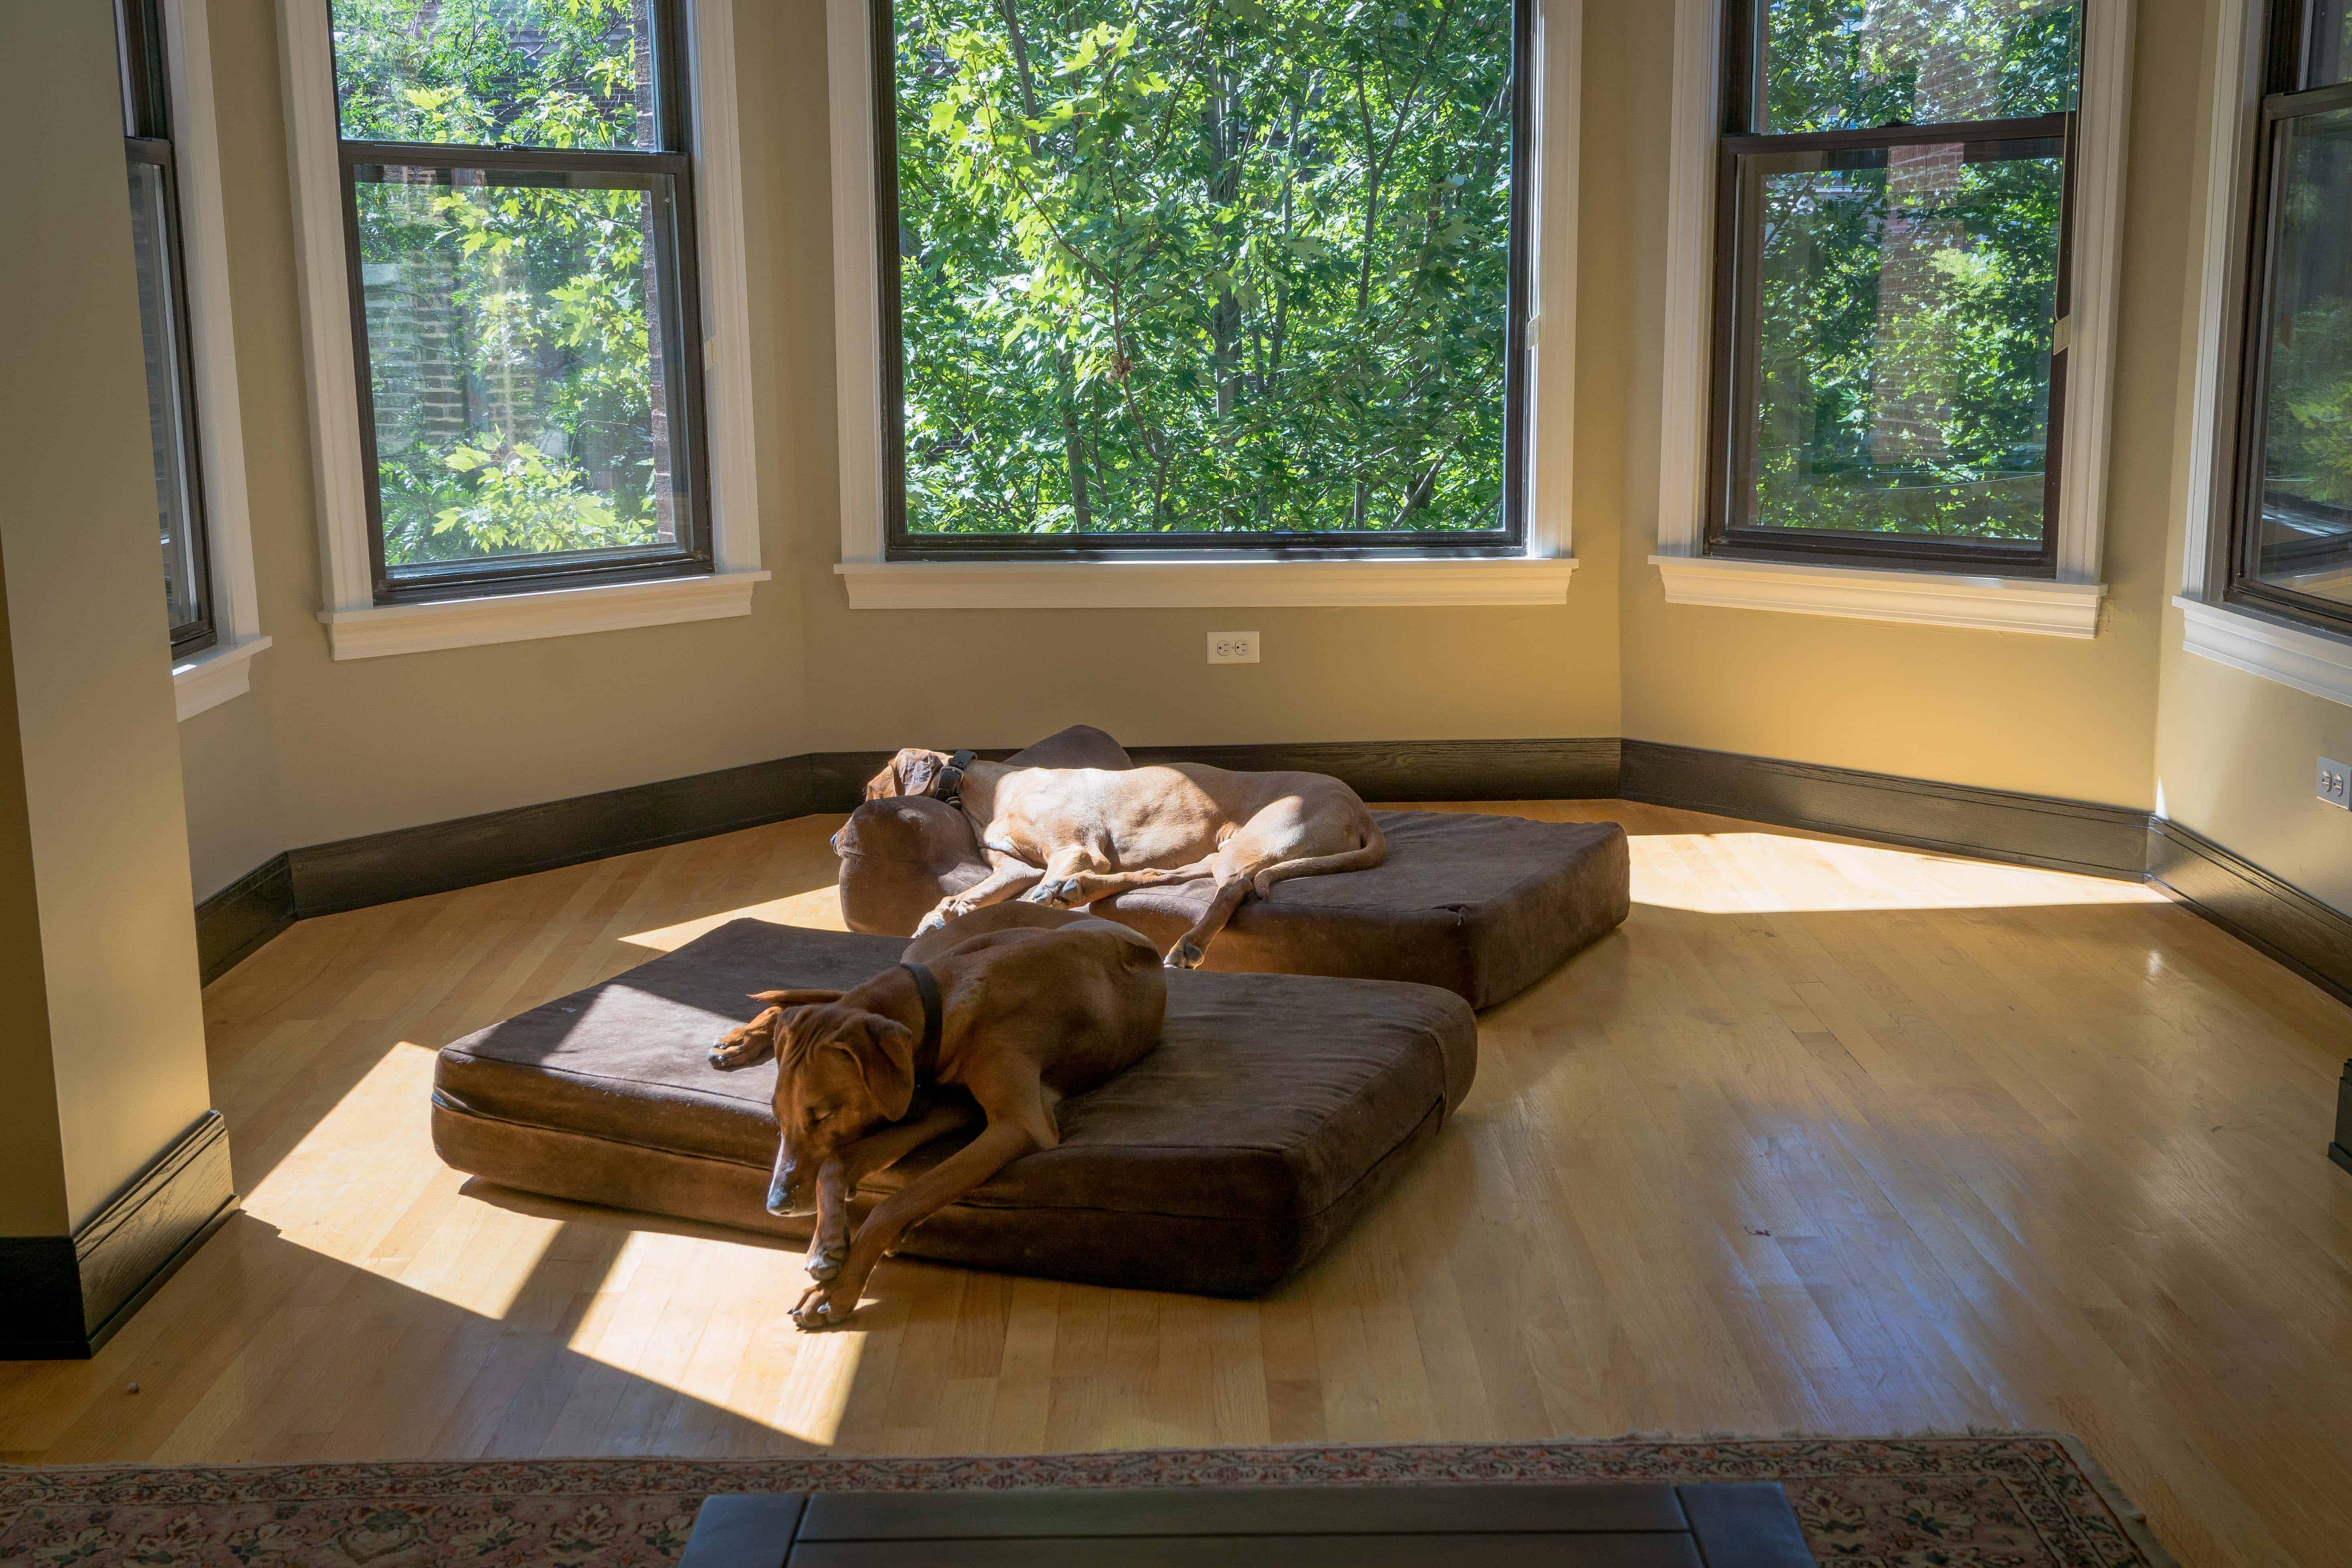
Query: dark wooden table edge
1733	1524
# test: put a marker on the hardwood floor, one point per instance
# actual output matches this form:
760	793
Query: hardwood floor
1830	1138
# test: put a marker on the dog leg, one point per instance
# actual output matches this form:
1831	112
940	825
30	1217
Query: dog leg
838	1178
1086	887
1008	878
1192	948
1070	865
829	1303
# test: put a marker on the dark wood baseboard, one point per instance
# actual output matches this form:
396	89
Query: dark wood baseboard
2259	908
62	1297
1989	824
352	873
235	923
2340	1151
1584	768
1999	824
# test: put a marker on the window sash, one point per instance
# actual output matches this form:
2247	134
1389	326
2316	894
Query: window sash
146	140
900	543
2275	115
666	177
1735	376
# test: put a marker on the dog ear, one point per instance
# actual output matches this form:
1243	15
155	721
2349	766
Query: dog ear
911	773
795	998
889	1066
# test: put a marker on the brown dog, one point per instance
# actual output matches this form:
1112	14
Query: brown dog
1025	1006
1067	836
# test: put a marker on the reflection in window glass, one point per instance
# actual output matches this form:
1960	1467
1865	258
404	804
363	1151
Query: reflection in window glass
515	362
504	73
2305	540
1832	65
2330	60
1904	339
167	412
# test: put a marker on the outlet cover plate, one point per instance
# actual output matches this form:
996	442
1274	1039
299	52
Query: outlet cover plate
2335	784
1232	647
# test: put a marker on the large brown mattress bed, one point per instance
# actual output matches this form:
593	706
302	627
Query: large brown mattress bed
1482	905
1274	1112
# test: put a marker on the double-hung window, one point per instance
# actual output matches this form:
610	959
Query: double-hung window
1892	266
2290	545
518	205
1185	275
162	273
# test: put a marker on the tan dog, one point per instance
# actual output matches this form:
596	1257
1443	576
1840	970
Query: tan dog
1027	1006
1067	836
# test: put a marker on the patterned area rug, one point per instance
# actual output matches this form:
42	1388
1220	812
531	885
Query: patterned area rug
2008	1501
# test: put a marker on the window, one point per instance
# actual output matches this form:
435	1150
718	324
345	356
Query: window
520	240
2290	545
1198	276
155	231
1893	260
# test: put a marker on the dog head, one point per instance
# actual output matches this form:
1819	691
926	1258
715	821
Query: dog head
913	771
842	1073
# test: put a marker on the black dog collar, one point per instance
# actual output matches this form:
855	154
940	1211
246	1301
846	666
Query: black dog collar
951	785
926	986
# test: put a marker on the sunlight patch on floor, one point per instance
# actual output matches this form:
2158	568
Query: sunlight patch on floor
819	909
1772	873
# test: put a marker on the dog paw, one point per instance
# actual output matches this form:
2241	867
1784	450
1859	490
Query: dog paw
1185	955
931	922
727	1058
817	1310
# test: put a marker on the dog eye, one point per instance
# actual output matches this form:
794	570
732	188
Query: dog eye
820	1118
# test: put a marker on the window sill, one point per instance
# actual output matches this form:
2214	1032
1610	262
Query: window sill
211	677
1162	584
2308	660
1920	598
549	612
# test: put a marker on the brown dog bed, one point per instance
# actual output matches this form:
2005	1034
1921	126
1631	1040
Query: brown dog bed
1484	906
1273	1111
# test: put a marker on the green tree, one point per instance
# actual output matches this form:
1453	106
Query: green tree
1203	265
514	366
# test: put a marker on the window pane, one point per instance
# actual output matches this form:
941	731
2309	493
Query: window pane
515	360
1832	65
2306	525
167	412
1183	268
1903	338
541	73
2331	43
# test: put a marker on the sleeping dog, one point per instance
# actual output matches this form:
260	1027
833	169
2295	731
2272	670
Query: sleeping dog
1067	836
1016	1008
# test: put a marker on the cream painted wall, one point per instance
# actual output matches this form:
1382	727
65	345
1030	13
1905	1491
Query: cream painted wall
2236	753
2073	718
97	783
362	746
323	750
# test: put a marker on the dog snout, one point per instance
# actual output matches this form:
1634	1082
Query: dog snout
788	1194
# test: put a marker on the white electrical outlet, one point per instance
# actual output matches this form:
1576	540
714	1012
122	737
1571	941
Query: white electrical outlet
1232	647
2336	783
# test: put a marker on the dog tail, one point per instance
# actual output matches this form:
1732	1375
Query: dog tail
1374	850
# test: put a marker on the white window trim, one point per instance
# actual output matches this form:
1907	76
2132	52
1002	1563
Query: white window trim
1539	576
2276	650
224	671
357	628
1691	577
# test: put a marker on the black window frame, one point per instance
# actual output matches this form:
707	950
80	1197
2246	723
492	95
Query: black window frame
666	173
1324	544
2291	39
1733	373
147	139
